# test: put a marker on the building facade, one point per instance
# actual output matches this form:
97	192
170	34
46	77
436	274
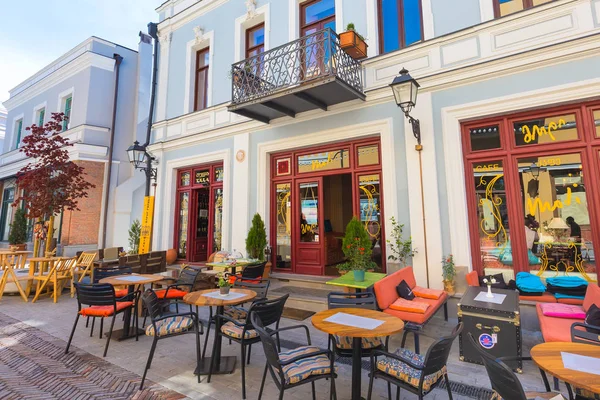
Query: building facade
259	110
81	84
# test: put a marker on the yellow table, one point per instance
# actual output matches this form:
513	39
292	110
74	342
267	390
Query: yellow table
224	266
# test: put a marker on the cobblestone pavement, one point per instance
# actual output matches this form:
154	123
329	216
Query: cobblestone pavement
175	357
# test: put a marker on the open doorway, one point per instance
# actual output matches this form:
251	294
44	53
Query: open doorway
337	212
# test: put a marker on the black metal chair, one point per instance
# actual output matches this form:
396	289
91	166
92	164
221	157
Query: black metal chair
260	286
342	345
504	381
101	302
168	325
243	332
297	367
254	271
414	372
107	272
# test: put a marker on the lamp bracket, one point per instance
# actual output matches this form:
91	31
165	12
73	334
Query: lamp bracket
416	128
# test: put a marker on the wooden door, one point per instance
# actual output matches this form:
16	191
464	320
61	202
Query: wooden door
200	225
309	254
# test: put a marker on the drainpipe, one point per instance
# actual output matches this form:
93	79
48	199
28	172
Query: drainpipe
118	60
153	32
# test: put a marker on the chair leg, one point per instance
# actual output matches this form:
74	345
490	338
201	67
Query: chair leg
101	326
281	391
55	291
417	347
448	386
72	333
149	362
545	380
262	383
213	357
404	335
198	348
206	336
112	324
243	370
314	393
137	323
389	391
92	330
556	384
446	312
249	352
397	392
87	322
334	392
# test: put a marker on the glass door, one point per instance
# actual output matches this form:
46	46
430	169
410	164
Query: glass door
309	241
283	226
370	213
201	225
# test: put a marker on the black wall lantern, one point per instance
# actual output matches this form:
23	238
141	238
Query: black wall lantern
142	160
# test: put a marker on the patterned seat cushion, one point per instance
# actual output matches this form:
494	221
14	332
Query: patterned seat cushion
345	342
171	293
238	313
171	325
104	311
232	330
406	373
302	369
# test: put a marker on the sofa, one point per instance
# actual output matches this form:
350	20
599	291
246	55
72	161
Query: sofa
386	295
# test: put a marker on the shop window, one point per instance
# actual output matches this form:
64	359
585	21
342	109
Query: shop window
485	137
283	226
309	212
325	161
218	174
546	130
492	214
369	192
597	122
507	7
201	89
217	219
283	167
184	199
400	24
184	179
368	155
202	177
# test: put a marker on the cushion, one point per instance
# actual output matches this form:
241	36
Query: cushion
111	253
530	283
232	330
121	293
104	311
345	342
555	329
417	318
541	298
385	289
592	296
427	293
558	310
566	281
238	313
592	317
171	325
472	279
577	302
500	284
306	367
404	291
171	293
568	296
409	306
406	373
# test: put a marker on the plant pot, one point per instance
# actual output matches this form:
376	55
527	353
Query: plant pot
449	287
171	256
224	290
353	45
267	272
359	275
342	272
18	247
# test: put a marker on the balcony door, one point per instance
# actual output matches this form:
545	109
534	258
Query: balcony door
315	15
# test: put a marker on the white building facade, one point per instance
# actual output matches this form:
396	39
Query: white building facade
306	137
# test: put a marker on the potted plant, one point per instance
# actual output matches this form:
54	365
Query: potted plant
134	237
224	284
256	241
357	249
17	237
400	249
353	43
448	274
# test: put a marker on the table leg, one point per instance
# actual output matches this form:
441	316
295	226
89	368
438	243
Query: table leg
356	368
128	331
223	365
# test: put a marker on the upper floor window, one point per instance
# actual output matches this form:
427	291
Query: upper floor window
316	15
18	132
201	90
66	109
400	24
255	40
507	7
39	116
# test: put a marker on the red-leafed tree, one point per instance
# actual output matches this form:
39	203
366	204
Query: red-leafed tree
50	183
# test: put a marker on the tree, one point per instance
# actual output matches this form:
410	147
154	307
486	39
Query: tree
18	229
256	242
134	237
51	183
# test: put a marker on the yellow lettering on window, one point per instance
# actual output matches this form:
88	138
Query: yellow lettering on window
530	134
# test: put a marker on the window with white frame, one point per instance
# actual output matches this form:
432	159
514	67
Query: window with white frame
40	114
18	132
507	7
67	103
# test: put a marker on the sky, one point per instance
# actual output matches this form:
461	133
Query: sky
33	33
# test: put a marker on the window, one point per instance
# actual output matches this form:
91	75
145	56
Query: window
67	102
507	7
255	40
39	117
316	15
18	132
400	24
200	96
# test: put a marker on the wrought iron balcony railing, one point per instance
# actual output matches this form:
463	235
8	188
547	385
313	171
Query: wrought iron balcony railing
310	58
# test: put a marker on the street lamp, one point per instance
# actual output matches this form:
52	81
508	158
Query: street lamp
142	160
535	170
405	89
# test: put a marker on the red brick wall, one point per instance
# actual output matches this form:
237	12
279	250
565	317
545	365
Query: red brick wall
81	227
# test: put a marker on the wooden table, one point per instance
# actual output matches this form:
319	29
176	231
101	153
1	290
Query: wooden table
241	263
390	326
224	365
547	356
347	280
128	331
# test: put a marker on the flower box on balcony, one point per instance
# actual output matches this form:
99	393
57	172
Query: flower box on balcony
353	44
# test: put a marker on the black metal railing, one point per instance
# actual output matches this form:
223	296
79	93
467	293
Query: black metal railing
311	57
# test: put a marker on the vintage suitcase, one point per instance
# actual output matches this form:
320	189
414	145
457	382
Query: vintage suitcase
495	327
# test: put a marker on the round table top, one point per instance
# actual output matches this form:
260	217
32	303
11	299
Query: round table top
547	356
390	326
198	298
118	281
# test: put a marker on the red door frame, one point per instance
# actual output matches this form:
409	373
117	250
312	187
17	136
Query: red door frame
293	176
298	245
587	145
192	206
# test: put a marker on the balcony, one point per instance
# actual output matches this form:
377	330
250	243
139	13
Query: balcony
306	74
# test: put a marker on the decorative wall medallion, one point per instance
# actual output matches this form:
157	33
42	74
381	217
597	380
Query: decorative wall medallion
199	32
251	9
240	155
